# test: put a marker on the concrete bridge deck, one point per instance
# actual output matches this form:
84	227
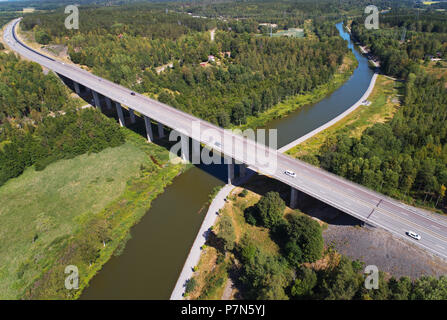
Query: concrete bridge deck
366	205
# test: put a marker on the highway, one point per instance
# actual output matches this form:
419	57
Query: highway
366	205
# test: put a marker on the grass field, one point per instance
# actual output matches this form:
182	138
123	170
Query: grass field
384	103
42	211
437	68
291	32
293	103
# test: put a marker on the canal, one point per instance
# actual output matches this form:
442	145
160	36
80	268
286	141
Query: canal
154	256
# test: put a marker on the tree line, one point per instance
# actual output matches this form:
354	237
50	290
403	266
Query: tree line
39	122
250	73
405	156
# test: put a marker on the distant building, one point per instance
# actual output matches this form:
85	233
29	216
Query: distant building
273	25
211	58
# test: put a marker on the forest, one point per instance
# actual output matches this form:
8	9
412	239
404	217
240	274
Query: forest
25	91
239	74
405	38
39	122
405	157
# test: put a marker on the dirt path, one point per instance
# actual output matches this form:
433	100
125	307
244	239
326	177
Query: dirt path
212	33
228	291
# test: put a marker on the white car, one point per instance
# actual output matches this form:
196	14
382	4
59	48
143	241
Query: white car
413	235
290	173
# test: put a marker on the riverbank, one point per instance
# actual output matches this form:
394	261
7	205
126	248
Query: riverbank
217	203
196	250
109	219
214	276
384	100
294	103
359	103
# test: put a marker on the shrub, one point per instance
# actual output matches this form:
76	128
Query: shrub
271	209
226	232
191	284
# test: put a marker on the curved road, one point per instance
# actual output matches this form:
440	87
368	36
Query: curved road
353	199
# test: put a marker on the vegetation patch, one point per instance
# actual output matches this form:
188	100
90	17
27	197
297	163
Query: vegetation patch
75	212
385	101
299	267
293	103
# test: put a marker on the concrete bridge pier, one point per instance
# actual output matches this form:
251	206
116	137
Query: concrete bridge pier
296	197
161	131
185	147
150	135
195	151
77	88
230	172
119	110
108	103
242	170
293	197
97	100
132	116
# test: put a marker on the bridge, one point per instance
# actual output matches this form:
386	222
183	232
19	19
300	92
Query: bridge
366	205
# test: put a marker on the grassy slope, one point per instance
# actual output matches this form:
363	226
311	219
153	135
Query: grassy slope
291	104
384	104
53	203
208	270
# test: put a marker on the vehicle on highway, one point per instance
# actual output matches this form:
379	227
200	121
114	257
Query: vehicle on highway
413	235
132	93
290	173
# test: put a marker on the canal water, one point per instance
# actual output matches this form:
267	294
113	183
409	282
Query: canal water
154	256
310	117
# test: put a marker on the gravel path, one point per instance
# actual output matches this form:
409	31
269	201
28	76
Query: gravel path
194	253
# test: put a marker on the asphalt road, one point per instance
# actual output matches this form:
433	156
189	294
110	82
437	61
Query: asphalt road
360	202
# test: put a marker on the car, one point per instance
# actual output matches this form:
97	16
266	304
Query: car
290	173
413	235
132	93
